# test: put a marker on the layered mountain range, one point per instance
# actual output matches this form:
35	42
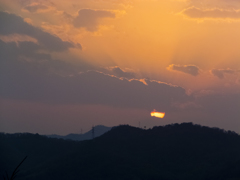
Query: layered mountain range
172	152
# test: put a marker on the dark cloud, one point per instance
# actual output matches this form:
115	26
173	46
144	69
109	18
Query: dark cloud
24	58
220	72
117	71
194	12
188	69
13	24
36	8
89	19
91	88
34	81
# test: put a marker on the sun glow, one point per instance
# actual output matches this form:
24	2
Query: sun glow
157	114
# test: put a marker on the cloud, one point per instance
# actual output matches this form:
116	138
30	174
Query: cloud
18	38
220	73
13	24
188	69
38	80
33	77
198	13
21	54
117	71
222	4
35	7
89	19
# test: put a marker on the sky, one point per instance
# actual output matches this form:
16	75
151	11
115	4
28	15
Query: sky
67	65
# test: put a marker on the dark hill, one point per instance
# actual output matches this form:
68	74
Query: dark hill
173	152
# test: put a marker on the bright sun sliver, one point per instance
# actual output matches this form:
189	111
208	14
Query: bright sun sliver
157	114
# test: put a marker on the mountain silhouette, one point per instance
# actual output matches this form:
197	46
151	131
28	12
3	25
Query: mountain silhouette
172	152
98	131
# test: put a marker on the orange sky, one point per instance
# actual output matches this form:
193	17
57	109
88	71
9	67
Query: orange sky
188	43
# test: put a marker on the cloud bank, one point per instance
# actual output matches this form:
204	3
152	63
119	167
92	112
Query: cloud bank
36	77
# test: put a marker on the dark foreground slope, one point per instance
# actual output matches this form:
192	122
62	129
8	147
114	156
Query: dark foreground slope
173	152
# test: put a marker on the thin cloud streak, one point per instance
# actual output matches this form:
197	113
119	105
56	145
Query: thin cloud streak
198	13
37	8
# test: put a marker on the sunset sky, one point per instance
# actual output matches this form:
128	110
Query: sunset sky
66	65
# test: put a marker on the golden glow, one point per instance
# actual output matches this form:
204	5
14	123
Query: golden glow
157	114
146	36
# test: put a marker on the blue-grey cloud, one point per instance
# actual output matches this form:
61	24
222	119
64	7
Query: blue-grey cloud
89	19
13	24
24	57
188	69
119	72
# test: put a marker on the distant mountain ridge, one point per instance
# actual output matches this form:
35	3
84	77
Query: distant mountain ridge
98	131
172	152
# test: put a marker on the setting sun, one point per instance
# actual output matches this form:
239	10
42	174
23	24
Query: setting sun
157	114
